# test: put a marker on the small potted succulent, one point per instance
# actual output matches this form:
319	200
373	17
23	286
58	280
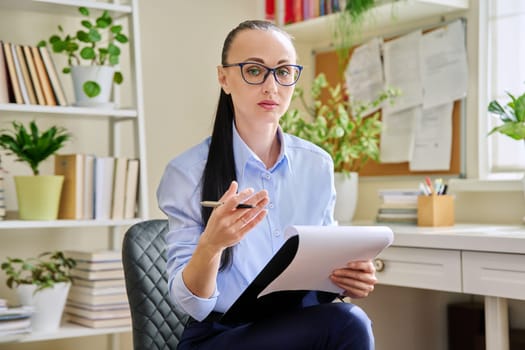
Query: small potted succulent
343	130
92	54
43	284
38	195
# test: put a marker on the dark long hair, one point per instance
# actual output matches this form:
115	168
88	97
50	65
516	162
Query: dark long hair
220	166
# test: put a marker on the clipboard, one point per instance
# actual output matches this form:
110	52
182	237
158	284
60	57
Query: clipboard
303	264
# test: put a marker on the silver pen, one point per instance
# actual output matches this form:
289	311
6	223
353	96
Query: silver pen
215	204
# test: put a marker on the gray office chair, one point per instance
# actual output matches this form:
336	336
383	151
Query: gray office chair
157	323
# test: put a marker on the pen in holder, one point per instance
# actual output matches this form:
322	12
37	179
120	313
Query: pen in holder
435	210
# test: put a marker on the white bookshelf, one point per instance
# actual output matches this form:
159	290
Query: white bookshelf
125	11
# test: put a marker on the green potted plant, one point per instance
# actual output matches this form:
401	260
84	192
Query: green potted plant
96	45
42	283
512	116
343	130
38	195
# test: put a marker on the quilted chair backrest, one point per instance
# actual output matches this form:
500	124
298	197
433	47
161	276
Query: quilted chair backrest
157	323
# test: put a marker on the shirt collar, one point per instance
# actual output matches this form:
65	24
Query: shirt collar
243	154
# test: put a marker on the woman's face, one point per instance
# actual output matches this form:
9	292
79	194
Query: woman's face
267	102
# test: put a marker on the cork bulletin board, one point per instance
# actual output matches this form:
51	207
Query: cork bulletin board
327	62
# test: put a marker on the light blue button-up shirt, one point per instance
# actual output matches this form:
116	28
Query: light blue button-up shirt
301	191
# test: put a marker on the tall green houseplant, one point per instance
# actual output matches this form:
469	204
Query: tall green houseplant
350	137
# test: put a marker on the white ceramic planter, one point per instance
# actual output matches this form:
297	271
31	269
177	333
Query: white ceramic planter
103	75
48	305
347	193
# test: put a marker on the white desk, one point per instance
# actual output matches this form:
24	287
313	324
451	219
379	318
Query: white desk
486	260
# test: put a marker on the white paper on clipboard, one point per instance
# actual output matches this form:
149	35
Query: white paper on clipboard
322	249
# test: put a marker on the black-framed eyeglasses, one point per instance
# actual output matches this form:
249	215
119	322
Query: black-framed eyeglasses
255	73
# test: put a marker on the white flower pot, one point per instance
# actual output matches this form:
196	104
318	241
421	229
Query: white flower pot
346	201
103	75
48	305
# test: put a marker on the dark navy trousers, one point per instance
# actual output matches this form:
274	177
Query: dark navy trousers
331	326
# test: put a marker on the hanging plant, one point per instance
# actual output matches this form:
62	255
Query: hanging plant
347	27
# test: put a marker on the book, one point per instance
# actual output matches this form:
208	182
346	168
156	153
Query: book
130	197
15	313
34	75
97	314
269	10
98	265
47	89
23	323
99	283
53	76
25	74
304	263
89	187
13	79
91	299
71	166
106	307
4	79
97	291
119	188
104	168
101	323
94	255
19	75
97	275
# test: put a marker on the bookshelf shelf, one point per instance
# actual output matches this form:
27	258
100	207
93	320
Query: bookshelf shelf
386	17
65	7
68	110
66	330
26	224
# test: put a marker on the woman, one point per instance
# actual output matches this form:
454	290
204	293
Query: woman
214	254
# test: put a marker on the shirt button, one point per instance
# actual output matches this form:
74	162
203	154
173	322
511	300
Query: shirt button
266	176
270	205
276	233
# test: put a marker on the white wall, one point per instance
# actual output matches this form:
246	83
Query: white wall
182	44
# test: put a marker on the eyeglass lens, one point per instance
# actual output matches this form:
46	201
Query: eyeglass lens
255	73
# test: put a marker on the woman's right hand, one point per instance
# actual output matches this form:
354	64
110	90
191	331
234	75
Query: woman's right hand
227	224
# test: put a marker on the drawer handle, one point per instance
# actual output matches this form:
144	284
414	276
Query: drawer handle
379	265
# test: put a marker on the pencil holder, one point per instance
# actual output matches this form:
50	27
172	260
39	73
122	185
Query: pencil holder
435	210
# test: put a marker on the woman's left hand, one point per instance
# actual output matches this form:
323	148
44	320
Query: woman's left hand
357	278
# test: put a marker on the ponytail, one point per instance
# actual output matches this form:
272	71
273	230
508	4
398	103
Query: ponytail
220	167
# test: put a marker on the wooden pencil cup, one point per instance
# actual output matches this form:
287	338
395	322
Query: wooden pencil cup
435	210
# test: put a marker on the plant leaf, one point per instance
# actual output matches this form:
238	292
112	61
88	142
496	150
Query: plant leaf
91	88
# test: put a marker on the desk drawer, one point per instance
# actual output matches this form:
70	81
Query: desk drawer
436	269
495	274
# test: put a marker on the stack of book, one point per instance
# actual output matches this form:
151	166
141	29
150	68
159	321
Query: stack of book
28	76
398	206
100	188
14	320
97	298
